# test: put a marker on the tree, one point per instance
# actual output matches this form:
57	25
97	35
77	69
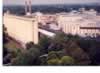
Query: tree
52	55
44	44
29	45
57	42
43	59
5	50
5	35
79	55
67	60
53	58
53	61
27	57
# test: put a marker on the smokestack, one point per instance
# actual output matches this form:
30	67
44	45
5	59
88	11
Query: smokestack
30	7
26	7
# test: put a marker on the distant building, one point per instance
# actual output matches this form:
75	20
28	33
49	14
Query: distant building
83	24
25	29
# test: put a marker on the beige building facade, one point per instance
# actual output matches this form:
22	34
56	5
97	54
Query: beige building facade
22	29
79	25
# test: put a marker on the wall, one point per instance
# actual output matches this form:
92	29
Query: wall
21	28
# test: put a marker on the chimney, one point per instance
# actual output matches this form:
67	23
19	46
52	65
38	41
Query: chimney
30	7
26	7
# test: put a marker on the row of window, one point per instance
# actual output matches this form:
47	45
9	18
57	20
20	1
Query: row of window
92	35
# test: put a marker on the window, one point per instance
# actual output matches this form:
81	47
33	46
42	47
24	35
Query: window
86	34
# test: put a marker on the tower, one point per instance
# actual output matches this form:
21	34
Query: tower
28	7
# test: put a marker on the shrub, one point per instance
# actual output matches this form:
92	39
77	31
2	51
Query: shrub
67	60
53	61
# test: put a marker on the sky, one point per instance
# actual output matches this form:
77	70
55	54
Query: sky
37	2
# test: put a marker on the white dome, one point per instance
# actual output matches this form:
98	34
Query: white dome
39	14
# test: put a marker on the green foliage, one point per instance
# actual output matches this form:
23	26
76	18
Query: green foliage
26	57
79	55
53	61
57	42
43	60
44	44
60	50
29	45
44	41
5	35
67	60
54	58
60	38
61	41
52	55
